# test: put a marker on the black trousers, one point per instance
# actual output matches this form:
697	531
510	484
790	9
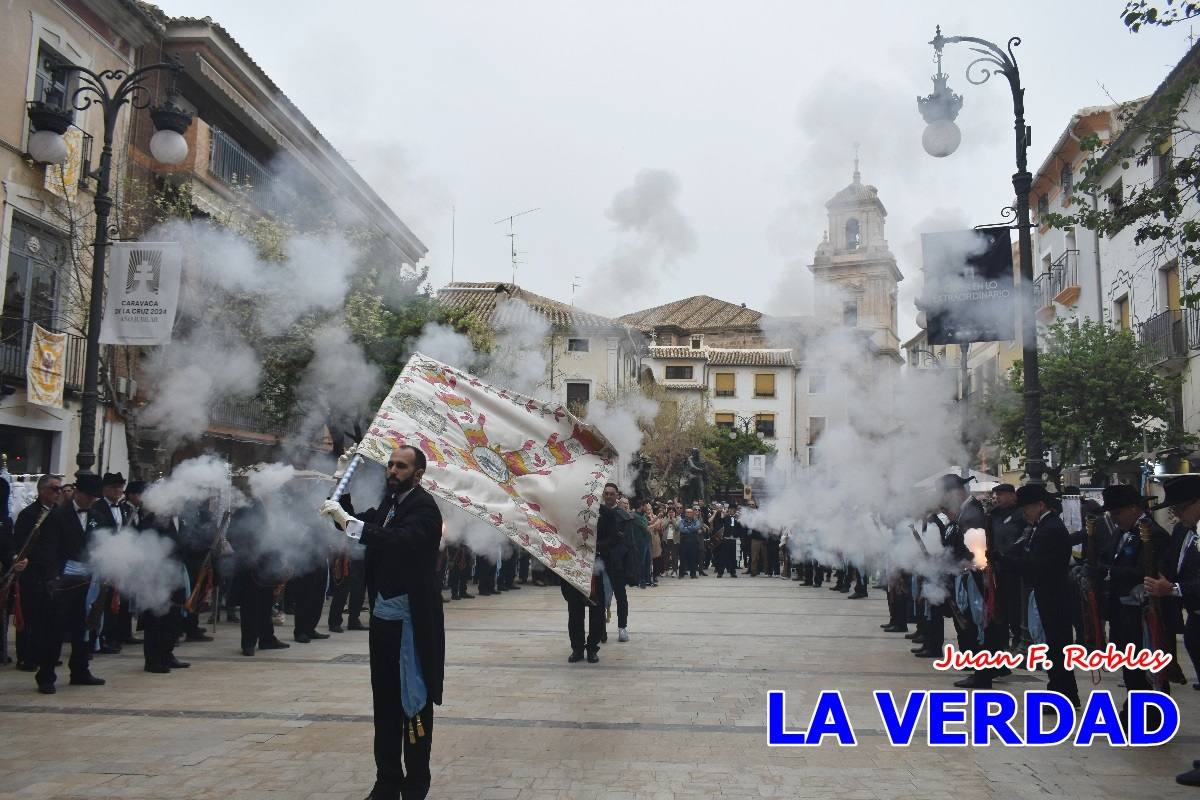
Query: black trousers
576	603
622	597
933	628
726	557
351	590
193	561
308	590
159	633
118	625
64	617
392	745
257	601
485	571
1009	605
689	554
1056	621
508	571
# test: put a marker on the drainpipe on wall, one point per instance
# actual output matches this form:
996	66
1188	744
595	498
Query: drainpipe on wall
1096	237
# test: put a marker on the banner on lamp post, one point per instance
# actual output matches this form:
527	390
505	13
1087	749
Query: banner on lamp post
143	293
969	288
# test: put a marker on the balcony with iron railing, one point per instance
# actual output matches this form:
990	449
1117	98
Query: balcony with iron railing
15	337
232	164
248	414
1166	336
1064	278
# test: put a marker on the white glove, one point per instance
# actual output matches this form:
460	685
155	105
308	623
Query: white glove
333	509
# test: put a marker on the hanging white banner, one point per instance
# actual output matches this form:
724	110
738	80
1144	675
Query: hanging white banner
143	293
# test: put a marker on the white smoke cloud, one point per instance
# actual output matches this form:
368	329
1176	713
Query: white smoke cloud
443	343
139	564
191	482
619	422
655	235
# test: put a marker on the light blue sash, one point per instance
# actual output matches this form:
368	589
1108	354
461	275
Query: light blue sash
413	694
1036	632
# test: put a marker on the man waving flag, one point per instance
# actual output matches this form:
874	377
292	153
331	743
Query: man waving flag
530	469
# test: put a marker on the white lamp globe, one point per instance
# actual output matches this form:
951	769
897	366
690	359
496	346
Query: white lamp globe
48	147
922	320
168	147
941	138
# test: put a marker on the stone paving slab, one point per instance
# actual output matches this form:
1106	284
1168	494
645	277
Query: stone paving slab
678	712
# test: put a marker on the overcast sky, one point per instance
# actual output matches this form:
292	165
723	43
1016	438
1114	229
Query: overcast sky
740	119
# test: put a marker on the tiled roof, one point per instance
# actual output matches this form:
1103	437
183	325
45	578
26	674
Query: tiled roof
695	313
677	352
722	357
483	301
750	358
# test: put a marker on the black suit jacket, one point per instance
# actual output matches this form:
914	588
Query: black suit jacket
1043	562
401	557
103	516
1187	575
62	538
26	519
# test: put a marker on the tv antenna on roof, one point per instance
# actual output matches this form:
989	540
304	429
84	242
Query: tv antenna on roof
512	237
575	284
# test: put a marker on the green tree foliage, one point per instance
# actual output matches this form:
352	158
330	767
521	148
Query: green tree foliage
724	449
1102	400
1138	13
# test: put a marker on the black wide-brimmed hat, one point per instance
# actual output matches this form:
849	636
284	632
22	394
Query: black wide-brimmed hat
135	487
89	485
1004	487
1122	496
1033	493
949	482
1180	490
113	479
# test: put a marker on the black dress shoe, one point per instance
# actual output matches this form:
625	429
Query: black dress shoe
915	636
575	657
232	618
199	637
465	596
274	645
86	679
593	658
514	588
175	663
896	629
157	669
302	638
974	682
1190	778
857	596
27	667
356	626
247	651
131	640
317	635
109	650
927	654
337	629
886	625
46	688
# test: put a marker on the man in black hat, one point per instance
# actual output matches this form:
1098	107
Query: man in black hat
1124	507
1043	558
59	553
112	512
1007	526
1178	584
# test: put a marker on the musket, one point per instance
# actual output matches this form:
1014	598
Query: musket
917	536
10	576
206	568
1093	626
1152	618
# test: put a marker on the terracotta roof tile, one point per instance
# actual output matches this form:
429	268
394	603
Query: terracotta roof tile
723	357
695	313
482	300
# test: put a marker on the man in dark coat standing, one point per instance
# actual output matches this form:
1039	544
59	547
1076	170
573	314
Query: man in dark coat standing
58	557
614	546
1043	559
407	635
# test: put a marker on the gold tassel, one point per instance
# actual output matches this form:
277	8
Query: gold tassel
412	735
420	728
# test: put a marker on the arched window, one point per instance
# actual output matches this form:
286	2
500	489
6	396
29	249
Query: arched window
853	240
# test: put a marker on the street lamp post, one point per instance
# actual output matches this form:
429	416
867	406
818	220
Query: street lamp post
110	90
941	138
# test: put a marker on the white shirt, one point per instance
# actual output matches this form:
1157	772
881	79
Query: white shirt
354	527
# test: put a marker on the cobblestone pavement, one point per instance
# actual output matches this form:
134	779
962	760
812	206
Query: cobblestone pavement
679	711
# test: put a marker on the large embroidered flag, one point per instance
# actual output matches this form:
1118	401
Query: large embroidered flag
44	371
531	469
